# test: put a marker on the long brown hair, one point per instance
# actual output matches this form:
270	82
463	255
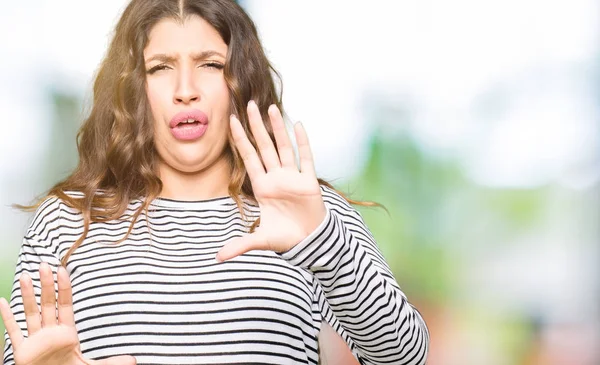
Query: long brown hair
116	142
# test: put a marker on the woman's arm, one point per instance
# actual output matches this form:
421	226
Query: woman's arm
39	321
360	288
314	228
35	249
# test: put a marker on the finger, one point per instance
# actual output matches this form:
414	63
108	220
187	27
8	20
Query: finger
253	165
284	145
32	311
48	299
11	325
239	246
65	298
307	165
263	141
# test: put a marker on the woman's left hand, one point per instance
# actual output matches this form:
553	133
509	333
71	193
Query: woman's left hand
290	200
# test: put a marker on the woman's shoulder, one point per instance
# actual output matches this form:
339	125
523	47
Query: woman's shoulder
337	202
334	199
56	214
51	211
46	219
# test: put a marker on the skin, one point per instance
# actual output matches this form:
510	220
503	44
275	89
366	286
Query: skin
190	170
289	196
52	336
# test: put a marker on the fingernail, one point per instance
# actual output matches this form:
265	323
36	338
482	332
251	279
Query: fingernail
251	102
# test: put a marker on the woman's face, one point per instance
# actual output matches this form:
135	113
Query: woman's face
187	93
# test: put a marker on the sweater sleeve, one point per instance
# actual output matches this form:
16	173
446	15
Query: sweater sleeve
360	289
37	247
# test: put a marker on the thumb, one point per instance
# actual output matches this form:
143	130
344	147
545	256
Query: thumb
116	360
241	245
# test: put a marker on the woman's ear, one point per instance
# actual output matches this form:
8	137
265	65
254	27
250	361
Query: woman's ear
333	350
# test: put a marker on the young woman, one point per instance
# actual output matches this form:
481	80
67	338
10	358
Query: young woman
188	233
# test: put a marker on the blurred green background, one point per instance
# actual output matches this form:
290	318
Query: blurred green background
476	126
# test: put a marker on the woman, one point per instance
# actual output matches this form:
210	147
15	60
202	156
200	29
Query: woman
188	234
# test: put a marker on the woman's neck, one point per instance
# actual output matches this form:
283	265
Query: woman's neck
209	183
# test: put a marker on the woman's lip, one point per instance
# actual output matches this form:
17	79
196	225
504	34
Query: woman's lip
195	114
189	132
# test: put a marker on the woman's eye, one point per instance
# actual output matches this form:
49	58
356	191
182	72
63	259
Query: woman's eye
210	65
214	65
157	68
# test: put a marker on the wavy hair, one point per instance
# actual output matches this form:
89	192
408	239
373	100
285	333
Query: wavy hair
116	143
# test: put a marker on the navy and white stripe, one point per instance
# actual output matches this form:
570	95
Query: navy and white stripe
161	297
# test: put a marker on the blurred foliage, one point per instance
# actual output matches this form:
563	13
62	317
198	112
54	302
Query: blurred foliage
416	191
439	221
434	212
62	155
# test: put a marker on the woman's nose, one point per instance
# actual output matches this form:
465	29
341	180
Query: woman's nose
186	91
186	98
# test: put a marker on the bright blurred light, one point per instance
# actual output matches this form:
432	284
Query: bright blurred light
442	58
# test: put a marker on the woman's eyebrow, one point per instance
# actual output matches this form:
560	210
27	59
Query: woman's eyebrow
163	57
206	54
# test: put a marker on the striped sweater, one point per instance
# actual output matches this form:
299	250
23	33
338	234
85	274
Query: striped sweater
161	296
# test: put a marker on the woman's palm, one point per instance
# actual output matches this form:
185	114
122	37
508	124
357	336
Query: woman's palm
50	345
51	340
288	195
281	197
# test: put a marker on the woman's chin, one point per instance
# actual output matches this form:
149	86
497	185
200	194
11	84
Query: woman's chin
189	159
190	167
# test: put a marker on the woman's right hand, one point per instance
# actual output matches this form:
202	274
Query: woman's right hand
50	341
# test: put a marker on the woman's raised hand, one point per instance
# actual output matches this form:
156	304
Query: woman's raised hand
289	198
51	340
